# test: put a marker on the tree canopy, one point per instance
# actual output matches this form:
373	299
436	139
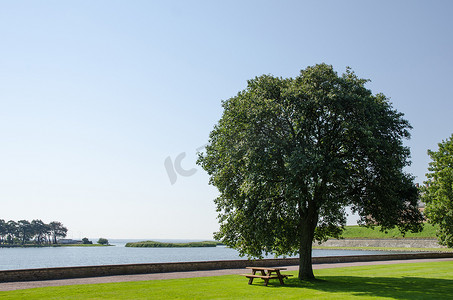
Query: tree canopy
438	191
103	241
290	154
86	241
57	230
36	232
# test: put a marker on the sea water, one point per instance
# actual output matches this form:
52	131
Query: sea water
49	257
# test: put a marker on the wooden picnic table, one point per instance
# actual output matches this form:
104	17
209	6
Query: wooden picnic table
266	274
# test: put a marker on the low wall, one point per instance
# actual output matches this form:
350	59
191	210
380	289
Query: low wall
404	243
108	270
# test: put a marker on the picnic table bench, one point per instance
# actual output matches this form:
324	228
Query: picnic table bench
266	274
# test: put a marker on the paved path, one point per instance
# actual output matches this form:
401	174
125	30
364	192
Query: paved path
10	286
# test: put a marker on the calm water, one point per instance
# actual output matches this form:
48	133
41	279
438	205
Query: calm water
27	258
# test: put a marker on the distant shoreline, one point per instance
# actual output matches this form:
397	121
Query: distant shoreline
53	246
154	244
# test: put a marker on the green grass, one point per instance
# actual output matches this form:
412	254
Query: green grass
404	249
154	244
358	232
402	281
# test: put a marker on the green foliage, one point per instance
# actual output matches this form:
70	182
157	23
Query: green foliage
27	233
153	244
288	155
438	191
400	281
360	232
57	230
103	241
86	241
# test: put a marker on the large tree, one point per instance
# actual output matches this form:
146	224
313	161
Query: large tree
12	231
57	230
40	230
3	231
289	155
25	231
438	191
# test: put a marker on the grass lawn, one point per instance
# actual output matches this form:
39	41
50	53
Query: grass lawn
401	249
401	281
358	232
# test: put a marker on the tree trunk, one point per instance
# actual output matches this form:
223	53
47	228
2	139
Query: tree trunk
308	223
305	263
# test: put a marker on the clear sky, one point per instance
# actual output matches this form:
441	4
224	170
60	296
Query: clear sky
95	96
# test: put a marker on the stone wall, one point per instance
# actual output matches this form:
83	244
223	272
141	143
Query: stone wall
95	271
404	243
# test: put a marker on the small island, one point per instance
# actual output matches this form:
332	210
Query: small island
36	233
154	244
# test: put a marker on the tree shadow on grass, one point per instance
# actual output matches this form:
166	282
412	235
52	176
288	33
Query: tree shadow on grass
396	288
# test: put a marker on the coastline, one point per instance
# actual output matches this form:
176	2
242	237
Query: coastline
54	246
129	269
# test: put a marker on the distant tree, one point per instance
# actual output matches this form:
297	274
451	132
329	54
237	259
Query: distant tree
3	231
40	230
103	241
438	191
57	231
288	155
13	229
25	231
86	241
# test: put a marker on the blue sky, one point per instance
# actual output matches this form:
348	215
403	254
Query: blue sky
96	95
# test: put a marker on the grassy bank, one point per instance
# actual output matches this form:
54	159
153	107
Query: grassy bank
401	281
357	232
403	249
154	244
